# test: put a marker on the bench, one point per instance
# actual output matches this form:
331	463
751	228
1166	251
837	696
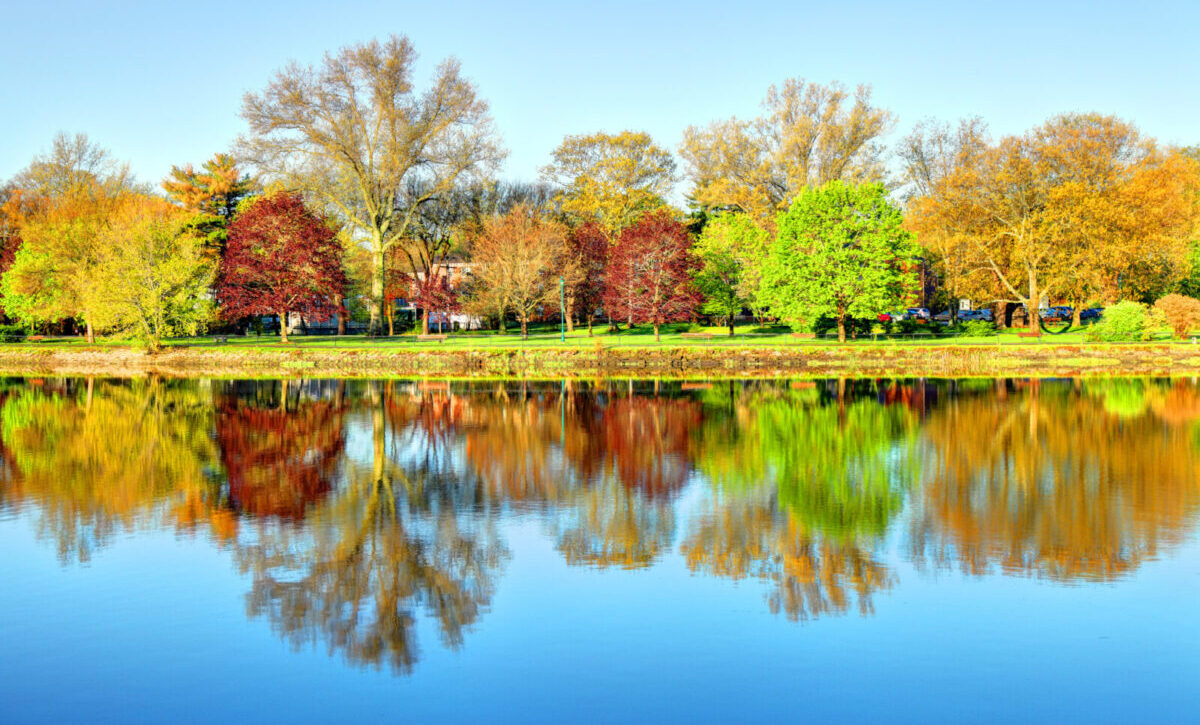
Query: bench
431	338
695	335
1029	334
220	340
36	338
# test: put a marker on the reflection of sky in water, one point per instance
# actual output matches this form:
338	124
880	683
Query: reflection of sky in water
156	625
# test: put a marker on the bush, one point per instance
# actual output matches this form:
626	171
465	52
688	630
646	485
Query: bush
1123	322
976	328
1182	313
11	333
854	326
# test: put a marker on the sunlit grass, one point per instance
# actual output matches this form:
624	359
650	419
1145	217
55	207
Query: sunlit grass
747	335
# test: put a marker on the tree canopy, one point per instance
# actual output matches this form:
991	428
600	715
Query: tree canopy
611	178
356	136
809	134
840	251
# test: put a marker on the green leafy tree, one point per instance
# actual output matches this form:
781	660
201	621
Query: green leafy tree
840	251
731	251
153	274
1125	321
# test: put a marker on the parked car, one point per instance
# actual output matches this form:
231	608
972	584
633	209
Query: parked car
917	313
1061	312
1093	313
943	316
984	314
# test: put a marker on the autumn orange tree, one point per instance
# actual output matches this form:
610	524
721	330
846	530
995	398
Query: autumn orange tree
211	193
68	197
929	155
518	257
1065	209
1181	312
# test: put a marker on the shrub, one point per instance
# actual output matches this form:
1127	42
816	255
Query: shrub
11	333
1181	312
1123	322
976	328
855	326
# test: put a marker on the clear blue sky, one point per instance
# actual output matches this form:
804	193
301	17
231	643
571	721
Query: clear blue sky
161	83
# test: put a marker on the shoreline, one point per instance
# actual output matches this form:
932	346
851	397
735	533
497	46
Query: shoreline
852	360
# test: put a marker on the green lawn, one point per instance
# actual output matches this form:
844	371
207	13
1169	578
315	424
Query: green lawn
548	337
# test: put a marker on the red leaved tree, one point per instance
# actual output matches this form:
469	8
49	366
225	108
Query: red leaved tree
583	271
280	258
649	277
432	295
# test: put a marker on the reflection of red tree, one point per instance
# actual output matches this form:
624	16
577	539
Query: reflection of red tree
279	461
647	441
435	414
913	396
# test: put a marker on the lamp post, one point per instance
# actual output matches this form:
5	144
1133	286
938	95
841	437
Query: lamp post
562	309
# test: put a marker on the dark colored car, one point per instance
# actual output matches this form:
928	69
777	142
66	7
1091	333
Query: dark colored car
1061	312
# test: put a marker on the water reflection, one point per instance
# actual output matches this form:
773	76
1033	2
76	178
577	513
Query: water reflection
1065	481
357	508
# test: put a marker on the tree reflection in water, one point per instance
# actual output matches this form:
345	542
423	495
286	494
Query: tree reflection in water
95	457
359	508
390	541
1065	481
807	480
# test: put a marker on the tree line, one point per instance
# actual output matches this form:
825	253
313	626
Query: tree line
352	188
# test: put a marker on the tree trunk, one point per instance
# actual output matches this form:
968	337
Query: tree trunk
731	325
391	315
283	326
340	301
589	321
500	328
378	272
524	327
424	322
1006	314
89	332
656	338
570	315
1076	321
841	328
1031	307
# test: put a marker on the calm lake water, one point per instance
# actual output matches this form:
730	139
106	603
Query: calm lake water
892	550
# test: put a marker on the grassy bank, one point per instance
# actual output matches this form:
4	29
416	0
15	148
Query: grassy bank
625	354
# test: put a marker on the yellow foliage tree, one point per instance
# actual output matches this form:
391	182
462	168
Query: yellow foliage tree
1064	210
611	178
809	134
